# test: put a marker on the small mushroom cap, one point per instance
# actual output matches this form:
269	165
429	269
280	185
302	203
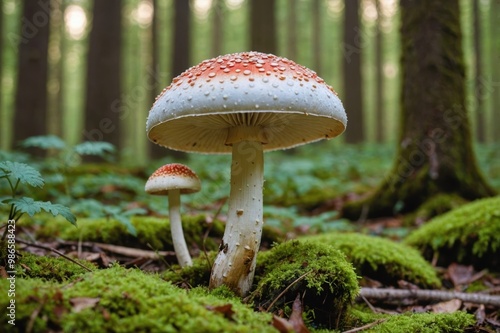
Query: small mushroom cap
288	103
173	176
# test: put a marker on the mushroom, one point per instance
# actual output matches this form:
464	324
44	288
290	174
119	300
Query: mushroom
175	179
243	104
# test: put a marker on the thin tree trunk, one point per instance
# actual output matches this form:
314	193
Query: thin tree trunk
262	26
352	48
379	77
155	151
31	91
181	52
495	61
478	74
217	27
316	35
103	85
56	65
434	151
291	47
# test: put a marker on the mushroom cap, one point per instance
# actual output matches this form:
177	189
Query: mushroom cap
173	176
287	102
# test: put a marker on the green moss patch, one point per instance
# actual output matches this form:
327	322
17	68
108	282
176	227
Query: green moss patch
50	268
319	273
192	276
468	235
425	323
152	232
381	259
126	300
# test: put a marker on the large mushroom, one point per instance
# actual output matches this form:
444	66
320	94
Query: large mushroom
243	104
173	180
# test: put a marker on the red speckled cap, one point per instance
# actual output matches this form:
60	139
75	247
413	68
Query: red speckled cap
173	176
288	102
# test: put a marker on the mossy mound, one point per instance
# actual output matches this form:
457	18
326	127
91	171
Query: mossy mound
55	269
425	323
125	300
434	206
410	322
467	235
381	259
319	273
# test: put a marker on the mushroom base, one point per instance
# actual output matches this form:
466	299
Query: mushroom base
235	262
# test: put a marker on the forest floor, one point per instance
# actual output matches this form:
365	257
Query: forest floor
304	191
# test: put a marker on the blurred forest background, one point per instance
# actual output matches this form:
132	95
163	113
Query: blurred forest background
90	70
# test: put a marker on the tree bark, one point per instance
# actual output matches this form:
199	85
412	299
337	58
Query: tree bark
435	152
263	26
495	60
352	47
103	85
217	27
422	295
291	42
155	151
31	91
316	35
379	77
478	74
182	50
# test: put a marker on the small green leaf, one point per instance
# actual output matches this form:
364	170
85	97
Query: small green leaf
125	220
44	142
22	172
32	207
97	148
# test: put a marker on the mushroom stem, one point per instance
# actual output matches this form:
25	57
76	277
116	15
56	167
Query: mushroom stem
235	263
180	247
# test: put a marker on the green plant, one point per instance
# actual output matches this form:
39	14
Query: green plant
16	174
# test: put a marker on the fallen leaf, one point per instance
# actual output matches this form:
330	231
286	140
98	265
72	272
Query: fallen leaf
226	310
282	325
450	306
480	315
81	303
296	319
460	274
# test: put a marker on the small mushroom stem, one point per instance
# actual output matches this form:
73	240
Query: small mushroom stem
235	263
180	247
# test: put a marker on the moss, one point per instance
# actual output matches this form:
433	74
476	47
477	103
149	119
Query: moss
381	259
468	235
425	323
319	273
49	268
192	276
127	300
436	205
152	232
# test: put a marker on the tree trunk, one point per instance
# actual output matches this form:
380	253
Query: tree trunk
262	26
495	60
31	91
181	52
316	35
217	27
351	48
478	74
379	77
103	85
155	151
291	42
435	152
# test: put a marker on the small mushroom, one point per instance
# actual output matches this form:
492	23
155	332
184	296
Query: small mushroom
175	179
244	104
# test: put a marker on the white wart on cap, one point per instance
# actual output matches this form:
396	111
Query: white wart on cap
289	103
